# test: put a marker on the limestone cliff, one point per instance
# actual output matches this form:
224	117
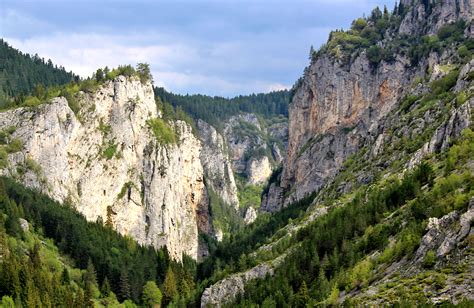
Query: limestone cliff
106	162
339	106
217	165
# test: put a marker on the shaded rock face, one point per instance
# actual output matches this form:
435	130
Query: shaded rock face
217	165
333	114
339	108
110	166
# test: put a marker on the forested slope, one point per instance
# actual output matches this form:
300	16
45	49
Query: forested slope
22	74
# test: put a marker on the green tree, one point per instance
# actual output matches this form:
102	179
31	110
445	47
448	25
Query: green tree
124	285
7	302
170	289
151	295
143	70
302	297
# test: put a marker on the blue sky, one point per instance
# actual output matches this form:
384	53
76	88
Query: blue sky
215	47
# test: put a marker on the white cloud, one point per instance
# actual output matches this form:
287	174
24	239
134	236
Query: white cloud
175	66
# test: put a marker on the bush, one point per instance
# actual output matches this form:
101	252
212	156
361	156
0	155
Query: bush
445	83
430	259
359	24
452	32
15	145
109	152
463	52
162	131
32	101
374	54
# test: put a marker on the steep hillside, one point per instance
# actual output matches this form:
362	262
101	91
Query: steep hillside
351	85
380	153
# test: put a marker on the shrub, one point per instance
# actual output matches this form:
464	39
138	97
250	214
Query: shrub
33	166
16	145
162	131
359	24
463	52
32	101
374	54
430	259
445	83
109	152
452	32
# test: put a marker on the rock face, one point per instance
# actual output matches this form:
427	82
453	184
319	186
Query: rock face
106	162
339	107
258	170
217	165
255	147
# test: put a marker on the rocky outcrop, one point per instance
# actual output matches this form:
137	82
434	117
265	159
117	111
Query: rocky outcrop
445	233
460	118
429	16
250	215
258	170
217	165
227	289
106	161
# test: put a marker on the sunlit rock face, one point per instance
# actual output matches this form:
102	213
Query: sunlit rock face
106	162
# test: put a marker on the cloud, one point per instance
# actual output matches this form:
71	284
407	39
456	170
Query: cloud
204	46
179	67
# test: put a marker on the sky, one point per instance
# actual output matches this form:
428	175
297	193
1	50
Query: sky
213	47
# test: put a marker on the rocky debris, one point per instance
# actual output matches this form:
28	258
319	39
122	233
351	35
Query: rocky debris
110	166
226	290
24	225
217	165
445	233
250	215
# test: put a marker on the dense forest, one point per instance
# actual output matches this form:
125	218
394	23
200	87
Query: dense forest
51	256
215	110
21	74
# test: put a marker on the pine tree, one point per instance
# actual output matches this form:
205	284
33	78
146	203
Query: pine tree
169	286
35	258
302	297
79	301
105	288
124	285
